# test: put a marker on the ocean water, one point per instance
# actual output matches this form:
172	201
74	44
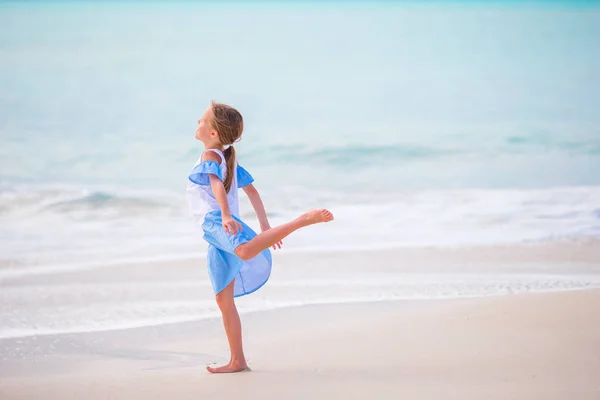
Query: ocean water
446	124
42	309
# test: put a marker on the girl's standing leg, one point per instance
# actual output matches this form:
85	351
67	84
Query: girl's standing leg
233	329
268	238
246	251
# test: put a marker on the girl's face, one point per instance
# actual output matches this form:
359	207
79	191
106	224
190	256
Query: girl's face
205	132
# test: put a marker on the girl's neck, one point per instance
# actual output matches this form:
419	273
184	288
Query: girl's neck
219	147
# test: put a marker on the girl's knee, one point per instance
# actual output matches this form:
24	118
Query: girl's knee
242	252
224	302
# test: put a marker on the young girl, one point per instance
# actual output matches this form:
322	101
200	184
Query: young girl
239	260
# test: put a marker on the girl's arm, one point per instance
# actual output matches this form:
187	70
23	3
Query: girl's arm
258	206
259	209
230	225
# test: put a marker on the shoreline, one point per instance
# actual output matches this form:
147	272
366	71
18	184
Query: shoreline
166	293
400	302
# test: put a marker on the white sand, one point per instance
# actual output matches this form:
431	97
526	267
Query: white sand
529	346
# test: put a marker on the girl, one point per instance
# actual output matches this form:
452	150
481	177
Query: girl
239	260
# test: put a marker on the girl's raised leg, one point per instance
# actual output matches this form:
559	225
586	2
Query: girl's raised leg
268	238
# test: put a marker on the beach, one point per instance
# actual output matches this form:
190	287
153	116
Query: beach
454	142
521	346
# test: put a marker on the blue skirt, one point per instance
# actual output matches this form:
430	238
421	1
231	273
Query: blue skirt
224	266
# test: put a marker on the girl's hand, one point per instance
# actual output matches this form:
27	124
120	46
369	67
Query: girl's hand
276	245
230	225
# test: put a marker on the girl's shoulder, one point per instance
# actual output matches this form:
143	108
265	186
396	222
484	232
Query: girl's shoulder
210	156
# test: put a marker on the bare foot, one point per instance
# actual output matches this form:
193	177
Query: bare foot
233	366
316	216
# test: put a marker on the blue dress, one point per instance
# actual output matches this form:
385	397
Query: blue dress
223	265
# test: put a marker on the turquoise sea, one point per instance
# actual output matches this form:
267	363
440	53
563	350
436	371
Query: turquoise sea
417	124
443	123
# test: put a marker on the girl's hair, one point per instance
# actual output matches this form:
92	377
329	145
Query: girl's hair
229	124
